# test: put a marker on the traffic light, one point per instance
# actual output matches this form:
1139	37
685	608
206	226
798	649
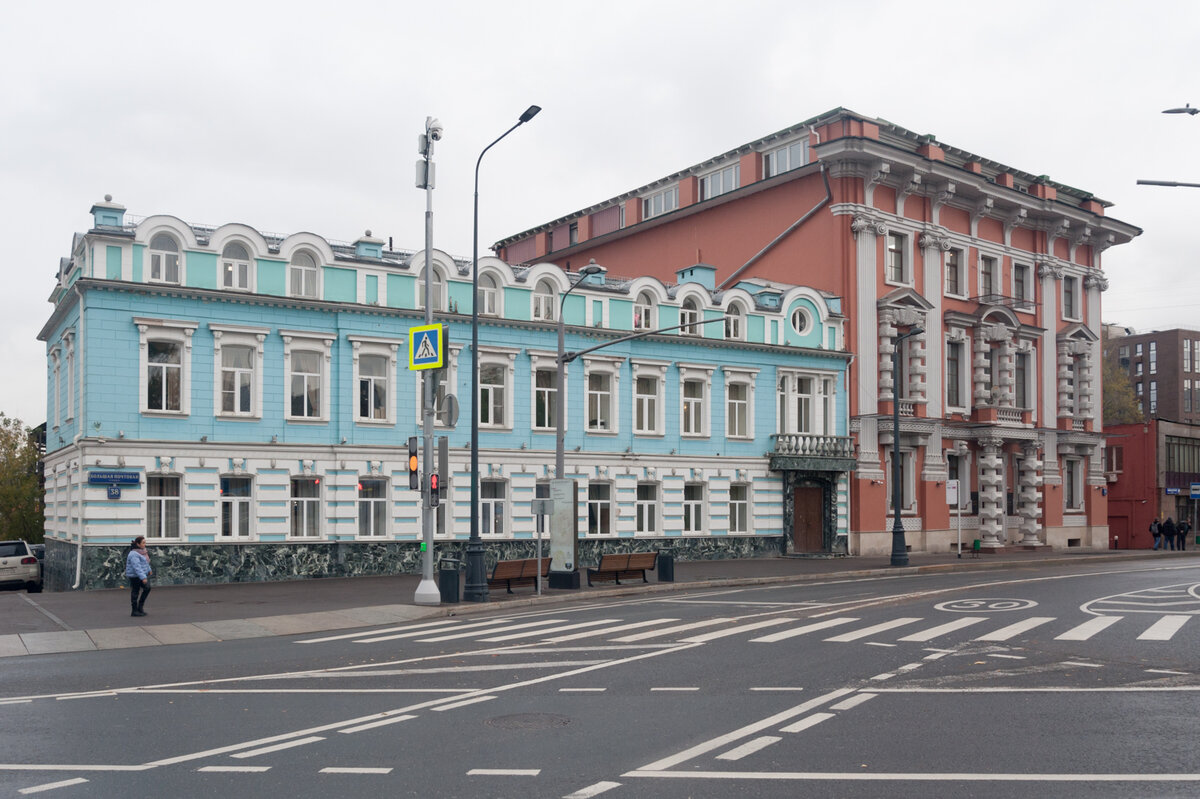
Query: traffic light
414	477
433	490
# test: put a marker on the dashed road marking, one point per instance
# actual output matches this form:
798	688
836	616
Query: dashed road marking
312	739
749	748
807	721
50	786
593	790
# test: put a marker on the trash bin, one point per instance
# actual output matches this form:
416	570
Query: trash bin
666	567
448	580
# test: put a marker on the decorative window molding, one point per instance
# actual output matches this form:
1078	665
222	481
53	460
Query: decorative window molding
648	383
237	267
368	384
237	508
955	273
164	260
238	386
645	316
543	392
602	387
372	507
496	375
304	275
739	404
545	295
695	400
305	509
165	365
307	360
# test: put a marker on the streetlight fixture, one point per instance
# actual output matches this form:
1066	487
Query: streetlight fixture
559	422
1187	109
476	589
899	545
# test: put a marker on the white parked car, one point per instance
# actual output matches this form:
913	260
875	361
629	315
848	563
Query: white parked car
19	567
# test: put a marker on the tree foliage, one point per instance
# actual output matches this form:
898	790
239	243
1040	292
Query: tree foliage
1121	405
21	501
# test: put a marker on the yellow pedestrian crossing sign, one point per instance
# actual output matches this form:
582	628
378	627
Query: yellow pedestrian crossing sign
427	347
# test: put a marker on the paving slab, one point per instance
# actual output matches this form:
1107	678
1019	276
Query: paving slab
296	623
179	634
231	629
122	638
46	643
11	646
389	614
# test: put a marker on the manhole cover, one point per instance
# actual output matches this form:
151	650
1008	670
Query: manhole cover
528	721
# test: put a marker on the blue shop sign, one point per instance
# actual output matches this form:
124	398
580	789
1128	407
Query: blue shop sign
96	477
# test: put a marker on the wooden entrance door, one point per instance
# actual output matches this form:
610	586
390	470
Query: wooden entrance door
808	528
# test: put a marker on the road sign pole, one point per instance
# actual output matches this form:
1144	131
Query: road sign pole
427	591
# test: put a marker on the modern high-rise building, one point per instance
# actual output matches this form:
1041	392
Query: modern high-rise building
1164	368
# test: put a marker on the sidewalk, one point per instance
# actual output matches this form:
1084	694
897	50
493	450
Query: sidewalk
34	624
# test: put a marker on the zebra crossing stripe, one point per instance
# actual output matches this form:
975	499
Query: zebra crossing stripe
865	632
943	629
1015	629
1089	628
527	633
807	628
1164	628
704	637
558	639
413	632
629	639
526	625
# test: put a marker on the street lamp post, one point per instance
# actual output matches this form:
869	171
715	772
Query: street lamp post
560	380
476	589
899	545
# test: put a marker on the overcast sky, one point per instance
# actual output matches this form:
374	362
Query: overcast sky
303	116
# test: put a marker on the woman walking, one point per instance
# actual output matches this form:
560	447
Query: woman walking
137	569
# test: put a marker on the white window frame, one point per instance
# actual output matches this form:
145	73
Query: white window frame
237	504
439	290
660	202
801	321
545	295
1029	358
735	322
1073	313
1023	291
600	507
955	259
739	508
964	373
309	507
237	274
690	314
908	491
609	367
490	293
504	360
163	501
238	336
643	312
374	506
695	413
488	510
742	377
387	349
646	521
545	363
719	181
655	416
892	252
306	341
309	276
1072	477
989	266
172	330
1152	357
693	508
787	413
164	257
785	158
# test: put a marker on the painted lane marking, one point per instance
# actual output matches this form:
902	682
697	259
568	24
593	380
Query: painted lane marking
705	637
855	635
1166	671
209	691
504	772
90	695
778	688
346	770
749	748
419	633
680	688
808	721
910	666
528	633
312	739
619	628
944	629
808	628
582	690
1164	628
910	777
525	625
937	655
1089	628
50	786
887	675
403	628
628	639
1007	657
879	643
1082	665
68	767
853	701
543	664
474	701
593	790
1016	628
742	732
381	723
234	769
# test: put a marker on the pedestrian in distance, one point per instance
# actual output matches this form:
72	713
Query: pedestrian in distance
137	569
1156	531
1168	533
1185	528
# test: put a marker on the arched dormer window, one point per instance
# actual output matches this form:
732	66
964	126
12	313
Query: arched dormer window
235	267
439	291
302	275
489	296
735	322
643	312
164	259
543	301
689	315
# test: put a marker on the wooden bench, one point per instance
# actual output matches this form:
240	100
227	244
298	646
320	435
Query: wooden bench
508	573
616	567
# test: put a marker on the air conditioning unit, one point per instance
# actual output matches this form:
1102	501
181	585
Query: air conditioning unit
1111	477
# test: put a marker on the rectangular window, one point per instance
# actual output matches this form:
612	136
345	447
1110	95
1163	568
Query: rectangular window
987	278
646	508
164	376
306	507
1138	369
693	507
785	159
1187	395
1139	389
908	488
693	407
544	395
491	507
720	182
954	374
1196	350
739	508
1073	484
302	278
894	267
1153	396
599	401
372	387
1153	357
1023	369
573	233
162	506
306	384
599	512
1022	286
491	395
804	404
737	424
645	402
1114	459
1137	350
954	272
1187	355
372	507
237	379
1070	289
235	507
660	203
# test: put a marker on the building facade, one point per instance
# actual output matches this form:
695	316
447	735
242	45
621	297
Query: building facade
1164	368
999	270
1151	467
245	402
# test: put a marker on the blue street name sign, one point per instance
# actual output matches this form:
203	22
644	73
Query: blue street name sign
96	477
1172	492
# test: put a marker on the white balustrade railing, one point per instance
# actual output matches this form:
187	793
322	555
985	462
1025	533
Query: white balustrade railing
810	445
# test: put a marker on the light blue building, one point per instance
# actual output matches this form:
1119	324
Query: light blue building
244	400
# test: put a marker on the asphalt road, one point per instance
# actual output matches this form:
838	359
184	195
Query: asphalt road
1061	681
